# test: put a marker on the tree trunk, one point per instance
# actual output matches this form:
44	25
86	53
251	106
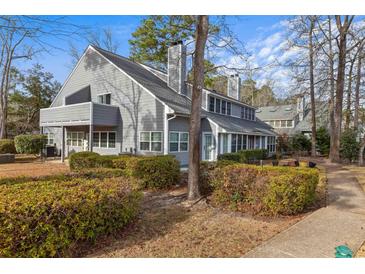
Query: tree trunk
361	152
195	116
357	91
332	82
311	79
349	93
340	84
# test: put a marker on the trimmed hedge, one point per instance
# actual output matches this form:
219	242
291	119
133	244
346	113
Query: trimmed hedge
268	190
30	144
7	146
157	172
244	156
86	159
154	172
50	218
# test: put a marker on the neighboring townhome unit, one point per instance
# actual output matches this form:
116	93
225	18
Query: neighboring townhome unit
112	105
293	118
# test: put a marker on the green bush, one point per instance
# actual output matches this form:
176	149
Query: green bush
300	142
7	146
87	159
244	156
349	146
323	141
266	190
127	163
30	144
50	218
157	172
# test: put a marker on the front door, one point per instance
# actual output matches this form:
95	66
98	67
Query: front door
208	147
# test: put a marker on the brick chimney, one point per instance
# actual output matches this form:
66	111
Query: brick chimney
176	67
233	87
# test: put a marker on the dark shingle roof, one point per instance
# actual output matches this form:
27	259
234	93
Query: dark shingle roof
179	103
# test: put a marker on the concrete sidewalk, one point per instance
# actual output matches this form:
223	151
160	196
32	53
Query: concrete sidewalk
316	236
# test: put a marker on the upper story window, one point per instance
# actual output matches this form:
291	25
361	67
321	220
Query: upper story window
247	113
104	98
280	123
219	106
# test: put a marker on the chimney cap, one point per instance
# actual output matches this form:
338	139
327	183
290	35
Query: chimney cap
175	43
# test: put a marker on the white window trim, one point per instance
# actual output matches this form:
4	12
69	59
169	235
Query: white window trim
179	141
102	94
53	138
77	137
150	141
107	140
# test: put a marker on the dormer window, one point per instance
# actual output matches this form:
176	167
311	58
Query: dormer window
104	98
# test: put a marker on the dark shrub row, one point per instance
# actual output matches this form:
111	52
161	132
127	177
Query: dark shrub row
244	156
269	190
149	171
50	218
30	143
86	159
7	146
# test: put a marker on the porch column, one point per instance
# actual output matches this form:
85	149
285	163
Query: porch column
63	144
91	137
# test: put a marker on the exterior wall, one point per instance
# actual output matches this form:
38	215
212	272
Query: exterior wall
139	110
80	96
180	124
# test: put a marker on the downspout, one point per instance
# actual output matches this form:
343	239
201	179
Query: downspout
166	132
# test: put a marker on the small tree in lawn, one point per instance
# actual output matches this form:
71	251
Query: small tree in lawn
30	144
349	146
201	36
323	141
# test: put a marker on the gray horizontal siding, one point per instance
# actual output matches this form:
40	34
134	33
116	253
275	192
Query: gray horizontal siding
180	124
105	115
80	96
71	114
138	109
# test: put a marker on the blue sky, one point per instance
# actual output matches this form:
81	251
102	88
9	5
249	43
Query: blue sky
262	36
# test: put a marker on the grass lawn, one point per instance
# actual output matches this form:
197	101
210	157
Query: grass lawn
359	173
29	166
169	227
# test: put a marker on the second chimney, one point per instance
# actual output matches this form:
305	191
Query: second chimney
176	67
233	87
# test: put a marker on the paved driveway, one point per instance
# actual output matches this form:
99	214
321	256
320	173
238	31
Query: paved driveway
316	236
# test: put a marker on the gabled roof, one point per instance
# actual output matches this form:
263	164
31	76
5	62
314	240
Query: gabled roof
181	104
283	112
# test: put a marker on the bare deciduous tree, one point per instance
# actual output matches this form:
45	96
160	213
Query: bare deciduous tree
195	116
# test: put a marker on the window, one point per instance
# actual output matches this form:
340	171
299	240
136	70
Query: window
243	110
211	103
263	140
244	142
228	108
50	138
234	143
104	98
217	105
75	139
239	142
179	141
289	123
271	144
283	123
224	143
257	142
104	139
150	141
224	107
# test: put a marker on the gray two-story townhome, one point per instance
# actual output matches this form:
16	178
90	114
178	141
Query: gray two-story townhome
112	105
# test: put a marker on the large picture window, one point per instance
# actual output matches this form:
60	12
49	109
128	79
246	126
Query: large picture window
179	141
75	138
150	141
104	139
